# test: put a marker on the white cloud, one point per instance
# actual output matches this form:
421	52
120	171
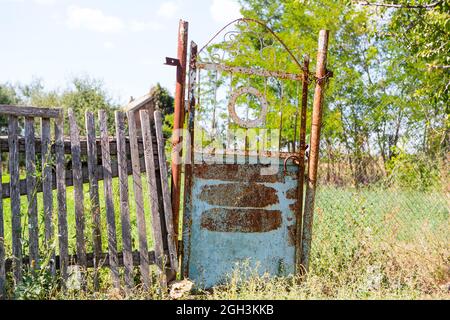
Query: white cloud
225	10
96	20
93	19
167	9
150	62
40	2
45	2
109	45
137	26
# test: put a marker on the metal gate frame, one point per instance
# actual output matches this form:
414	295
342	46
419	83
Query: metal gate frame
304	220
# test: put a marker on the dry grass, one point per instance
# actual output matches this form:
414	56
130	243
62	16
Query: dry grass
368	244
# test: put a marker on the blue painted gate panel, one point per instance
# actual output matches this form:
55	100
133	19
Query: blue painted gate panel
239	216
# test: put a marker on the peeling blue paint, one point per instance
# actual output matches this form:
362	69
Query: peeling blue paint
212	255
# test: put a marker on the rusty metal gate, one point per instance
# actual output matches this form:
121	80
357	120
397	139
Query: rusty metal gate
245	155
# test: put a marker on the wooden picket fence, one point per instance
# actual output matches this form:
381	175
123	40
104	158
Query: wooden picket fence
73	162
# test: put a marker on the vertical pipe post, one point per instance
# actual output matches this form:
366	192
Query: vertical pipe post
187	209
178	123
301	171
314	148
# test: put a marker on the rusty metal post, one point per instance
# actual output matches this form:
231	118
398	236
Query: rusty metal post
321	74
301	171
188	174
178	123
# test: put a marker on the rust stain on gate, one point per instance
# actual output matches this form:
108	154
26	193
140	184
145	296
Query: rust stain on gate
237	214
240	220
247	194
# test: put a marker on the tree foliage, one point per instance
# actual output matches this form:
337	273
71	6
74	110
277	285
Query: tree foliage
389	94
7	96
163	100
82	94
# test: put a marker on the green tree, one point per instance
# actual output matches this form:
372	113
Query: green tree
165	102
88	94
7	96
346	127
163	99
391	75
422	31
82	94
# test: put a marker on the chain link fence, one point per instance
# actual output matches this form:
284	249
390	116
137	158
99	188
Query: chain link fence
391	232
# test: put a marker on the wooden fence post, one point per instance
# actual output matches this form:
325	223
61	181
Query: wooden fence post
107	184
93	193
153	191
314	148
47	188
61	197
138	197
13	129
123	195
171	235
78	194
2	241
30	159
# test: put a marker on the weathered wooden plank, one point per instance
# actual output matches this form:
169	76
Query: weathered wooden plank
104	258
32	112
123	195
15	197
152	187
78	191
67	148
69	177
47	183
2	242
107	184
93	193
171	235
138	197
30	163
61	197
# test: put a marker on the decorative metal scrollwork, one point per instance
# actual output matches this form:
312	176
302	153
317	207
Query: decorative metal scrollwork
248	123
248	39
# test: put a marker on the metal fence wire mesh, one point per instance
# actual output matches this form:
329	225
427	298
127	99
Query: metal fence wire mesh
387	232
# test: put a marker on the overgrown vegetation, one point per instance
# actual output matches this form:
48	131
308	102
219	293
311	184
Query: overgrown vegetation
382	218
388	99
368	243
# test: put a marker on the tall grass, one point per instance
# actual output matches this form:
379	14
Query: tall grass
367	244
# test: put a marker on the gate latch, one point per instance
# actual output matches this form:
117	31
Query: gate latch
295	159
172	62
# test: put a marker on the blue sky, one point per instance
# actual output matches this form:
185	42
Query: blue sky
124	43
